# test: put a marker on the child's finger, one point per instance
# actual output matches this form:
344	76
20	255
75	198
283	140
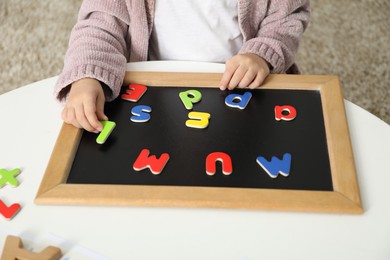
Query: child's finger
100	108
64	114
69	117
91	117
230	68
248	78
227	75
83	120
101	116
260	77
237	77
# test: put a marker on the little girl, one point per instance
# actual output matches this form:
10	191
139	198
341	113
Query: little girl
253	37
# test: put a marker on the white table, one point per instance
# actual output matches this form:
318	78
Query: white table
30	123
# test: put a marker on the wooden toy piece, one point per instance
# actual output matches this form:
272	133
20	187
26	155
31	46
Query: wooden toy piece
9	177
156	165
134	93
108	127
140	114
9	211
13	250
286	113
190	97
276	166
238	101
198	120
224	158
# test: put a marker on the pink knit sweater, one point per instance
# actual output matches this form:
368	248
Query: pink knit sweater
110	33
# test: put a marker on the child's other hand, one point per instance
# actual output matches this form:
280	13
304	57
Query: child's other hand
85	105
244	70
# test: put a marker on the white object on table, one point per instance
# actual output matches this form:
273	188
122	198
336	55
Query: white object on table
30	123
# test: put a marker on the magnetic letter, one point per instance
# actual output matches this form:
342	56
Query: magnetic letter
286	113
190	97
201	120
237	100
211	163
140	114
134	93
145	161
108	126
9	211
9	177
276	166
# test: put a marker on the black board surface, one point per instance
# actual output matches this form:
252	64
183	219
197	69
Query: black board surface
243	134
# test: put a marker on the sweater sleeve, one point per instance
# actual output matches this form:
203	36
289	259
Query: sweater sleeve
279	33
97	47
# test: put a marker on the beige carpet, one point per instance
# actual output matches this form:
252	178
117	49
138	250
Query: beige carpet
348	38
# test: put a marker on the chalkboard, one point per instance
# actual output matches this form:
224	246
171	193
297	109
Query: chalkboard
320	174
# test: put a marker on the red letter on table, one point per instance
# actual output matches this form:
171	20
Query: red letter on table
134	93
145	161
211	161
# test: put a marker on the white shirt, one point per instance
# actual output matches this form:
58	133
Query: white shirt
195	30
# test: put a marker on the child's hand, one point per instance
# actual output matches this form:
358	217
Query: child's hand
244	70
85	105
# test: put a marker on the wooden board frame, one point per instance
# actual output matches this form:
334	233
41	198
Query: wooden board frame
344	199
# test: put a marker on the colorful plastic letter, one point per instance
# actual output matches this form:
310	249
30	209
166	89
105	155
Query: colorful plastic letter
134	92
237	100
9	177
198	120
286	113
140	114
213	158
190	97
276	166
108	127
145	161
9	211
